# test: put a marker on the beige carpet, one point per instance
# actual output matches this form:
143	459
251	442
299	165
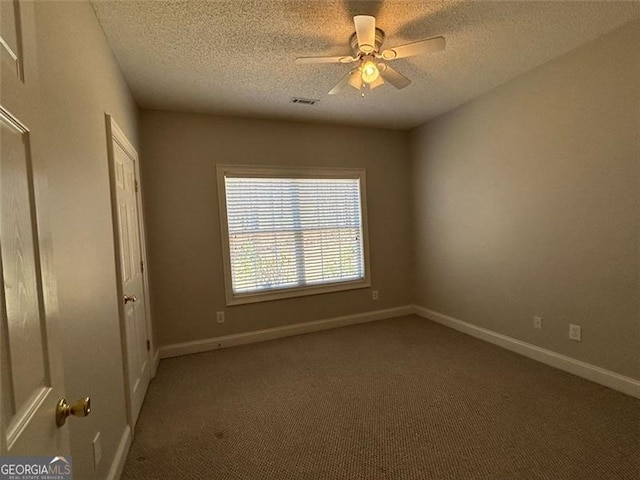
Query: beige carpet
396	399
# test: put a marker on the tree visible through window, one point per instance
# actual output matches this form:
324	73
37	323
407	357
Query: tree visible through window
286	232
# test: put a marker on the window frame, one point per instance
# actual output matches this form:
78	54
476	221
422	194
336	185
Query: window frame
246	171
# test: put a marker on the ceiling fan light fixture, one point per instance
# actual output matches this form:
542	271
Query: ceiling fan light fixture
369	70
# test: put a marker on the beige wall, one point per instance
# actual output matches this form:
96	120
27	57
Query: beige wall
80	81
526	203
180	152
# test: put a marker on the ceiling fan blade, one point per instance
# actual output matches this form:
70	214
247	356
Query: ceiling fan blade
416	48
366	32
341	59
344	82
394	77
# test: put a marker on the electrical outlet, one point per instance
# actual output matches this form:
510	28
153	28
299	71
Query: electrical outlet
97	450
537	323
575	332
374	295
220	317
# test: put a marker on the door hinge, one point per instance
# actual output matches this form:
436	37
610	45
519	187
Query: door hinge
148	345
135	183
141	266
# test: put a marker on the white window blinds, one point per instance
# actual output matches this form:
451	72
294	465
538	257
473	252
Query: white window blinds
293	232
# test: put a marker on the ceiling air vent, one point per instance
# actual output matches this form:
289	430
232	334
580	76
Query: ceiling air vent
304	101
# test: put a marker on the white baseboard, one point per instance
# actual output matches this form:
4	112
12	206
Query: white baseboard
121	455
621	383
216	343
610	379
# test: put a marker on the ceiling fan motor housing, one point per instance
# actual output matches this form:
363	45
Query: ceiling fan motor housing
353	41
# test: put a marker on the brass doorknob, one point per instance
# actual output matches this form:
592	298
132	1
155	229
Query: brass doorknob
130	298
81	408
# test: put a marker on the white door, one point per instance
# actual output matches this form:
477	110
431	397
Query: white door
131	271
31	369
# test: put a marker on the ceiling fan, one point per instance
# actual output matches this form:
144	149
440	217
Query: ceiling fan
372	71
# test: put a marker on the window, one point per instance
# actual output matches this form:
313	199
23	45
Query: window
291	232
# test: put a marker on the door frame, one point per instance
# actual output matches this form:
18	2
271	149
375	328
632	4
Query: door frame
115	134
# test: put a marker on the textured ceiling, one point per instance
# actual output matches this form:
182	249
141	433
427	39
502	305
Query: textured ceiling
237	57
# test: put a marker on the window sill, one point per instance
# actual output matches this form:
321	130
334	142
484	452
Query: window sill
253	297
